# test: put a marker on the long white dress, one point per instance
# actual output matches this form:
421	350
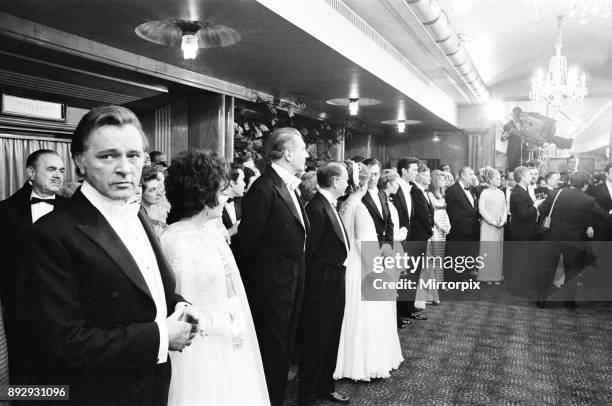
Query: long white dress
369	344
215	369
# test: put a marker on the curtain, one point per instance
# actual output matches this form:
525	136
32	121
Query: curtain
14	150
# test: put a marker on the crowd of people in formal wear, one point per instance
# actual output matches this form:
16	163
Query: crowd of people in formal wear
232	273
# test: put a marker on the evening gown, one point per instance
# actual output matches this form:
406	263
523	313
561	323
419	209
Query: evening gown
223	367
438	239
369	344
492	206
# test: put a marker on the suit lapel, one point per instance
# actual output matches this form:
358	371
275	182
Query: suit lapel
25	208
334	220
97	229
369	202
384	205
462	192
282	190
227	222
238	208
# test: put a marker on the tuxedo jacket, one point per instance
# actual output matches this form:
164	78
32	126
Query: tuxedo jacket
462	215
94	310
227	222
601	194
524	215
272	242
383	223
573	213
423	220
325	243
399	200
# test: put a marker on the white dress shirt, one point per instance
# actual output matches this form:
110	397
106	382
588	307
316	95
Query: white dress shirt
333	203
292	182
123	218
467	193
41	208
231	211
406	188
374	195
609	186
531	191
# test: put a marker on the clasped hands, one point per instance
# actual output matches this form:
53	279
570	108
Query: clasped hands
184	325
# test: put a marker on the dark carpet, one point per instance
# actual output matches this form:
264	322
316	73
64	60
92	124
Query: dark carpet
497	350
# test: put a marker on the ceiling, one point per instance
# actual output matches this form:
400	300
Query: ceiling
508	45
273	57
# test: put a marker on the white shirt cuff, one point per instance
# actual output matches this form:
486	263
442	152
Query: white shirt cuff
162	354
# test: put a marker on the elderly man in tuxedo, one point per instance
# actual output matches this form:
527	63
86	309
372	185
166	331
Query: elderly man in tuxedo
462	209
106	313
37	197
327	248
603	196
273	234
407	168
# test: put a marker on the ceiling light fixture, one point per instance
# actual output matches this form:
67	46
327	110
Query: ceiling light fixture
189	45
559	83
353	106
401	126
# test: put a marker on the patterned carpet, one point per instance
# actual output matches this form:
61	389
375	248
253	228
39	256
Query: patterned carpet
498	350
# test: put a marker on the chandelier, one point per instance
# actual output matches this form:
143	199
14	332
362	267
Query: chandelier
560	83
581	9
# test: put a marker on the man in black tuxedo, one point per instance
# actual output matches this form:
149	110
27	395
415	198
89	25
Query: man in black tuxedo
101	285
37	197
327	248
603	196
523	208
407	168
376	203
272	233
572	168
572	219
462	209
517	152
232	211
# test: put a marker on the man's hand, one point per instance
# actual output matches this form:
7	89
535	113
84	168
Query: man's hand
180	333
233	230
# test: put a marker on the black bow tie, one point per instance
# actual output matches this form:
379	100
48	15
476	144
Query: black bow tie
467	188
35	200
231	199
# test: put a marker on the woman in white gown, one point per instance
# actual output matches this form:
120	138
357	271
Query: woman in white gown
223	367
369	344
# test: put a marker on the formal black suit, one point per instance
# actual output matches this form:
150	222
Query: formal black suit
382	222
272	242
464	236
399	200
227	222
94	312
323	306
524	215
601	194
572	214
421	226
515	154
15	224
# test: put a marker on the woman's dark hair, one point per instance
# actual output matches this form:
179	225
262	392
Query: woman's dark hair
149	173
98	117
192	182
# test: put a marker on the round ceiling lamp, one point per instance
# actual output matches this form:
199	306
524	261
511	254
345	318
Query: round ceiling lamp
401	124
187	35
353	103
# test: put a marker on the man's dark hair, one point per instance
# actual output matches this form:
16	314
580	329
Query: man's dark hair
327	172
357	159
154	155
35	156
404	163
441	167
517	109
579	179
248	174
371	162
235	169
280	140
193	180
98	117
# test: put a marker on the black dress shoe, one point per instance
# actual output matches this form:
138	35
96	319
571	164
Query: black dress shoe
541	304
417	316
338	397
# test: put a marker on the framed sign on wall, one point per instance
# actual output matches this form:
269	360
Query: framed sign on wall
31	108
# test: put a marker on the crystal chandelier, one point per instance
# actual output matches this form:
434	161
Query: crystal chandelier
560	83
